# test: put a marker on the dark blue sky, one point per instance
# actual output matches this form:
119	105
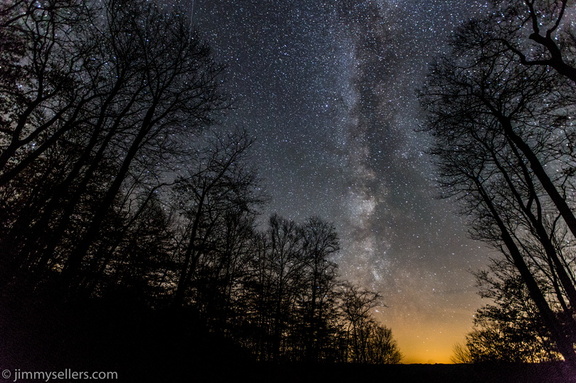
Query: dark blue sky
327	88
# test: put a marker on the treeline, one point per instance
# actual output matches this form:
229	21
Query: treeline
112	184
501	113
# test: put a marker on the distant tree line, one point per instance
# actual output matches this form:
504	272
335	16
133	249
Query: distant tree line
501	108
112	185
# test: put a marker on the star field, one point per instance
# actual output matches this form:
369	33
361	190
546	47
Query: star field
327	88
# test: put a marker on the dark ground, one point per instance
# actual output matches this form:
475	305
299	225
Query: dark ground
171	346
421	373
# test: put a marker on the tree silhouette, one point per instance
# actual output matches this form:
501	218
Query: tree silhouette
497	127
317	298
355	305
219	190
99	115
510	329
550	39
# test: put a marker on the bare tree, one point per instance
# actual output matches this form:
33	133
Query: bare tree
41	82
97	113
355	307
178	82
536	32
220	189
317	298
489	117
382	348
509	329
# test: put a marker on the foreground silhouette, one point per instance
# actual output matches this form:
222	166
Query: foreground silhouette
172	345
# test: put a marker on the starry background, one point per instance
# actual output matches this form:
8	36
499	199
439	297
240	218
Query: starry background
327	88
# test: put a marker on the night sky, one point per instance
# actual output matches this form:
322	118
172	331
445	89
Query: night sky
327	88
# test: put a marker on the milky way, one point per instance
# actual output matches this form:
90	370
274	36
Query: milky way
328	90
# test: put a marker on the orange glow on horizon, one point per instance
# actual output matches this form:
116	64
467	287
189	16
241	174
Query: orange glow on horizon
428	329
428	344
